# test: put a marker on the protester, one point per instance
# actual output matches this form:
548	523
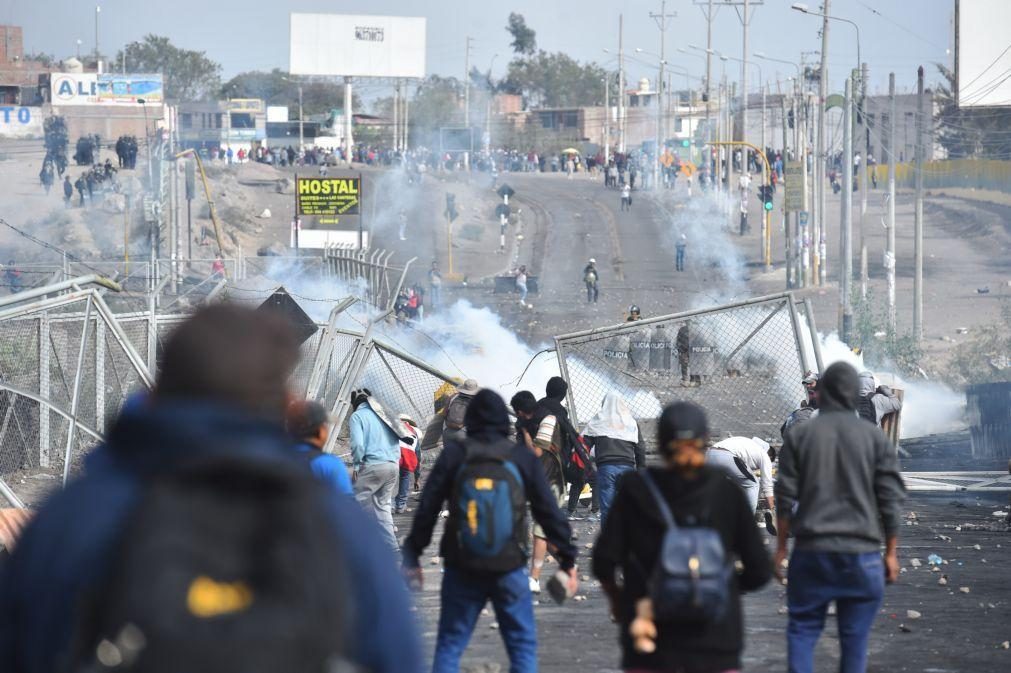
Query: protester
838	492
626	196
409	462
68	191
375	455
435	285
616	442
309	425
740	458
542	430
808	408
474	572
679	248
689	498
875	402
449	422
521	284
217	405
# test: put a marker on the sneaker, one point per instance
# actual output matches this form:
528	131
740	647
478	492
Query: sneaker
535	586
573	517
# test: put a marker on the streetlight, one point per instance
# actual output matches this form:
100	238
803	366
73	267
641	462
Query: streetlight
301	132
98	10
801	7
659	115
487	116
79	49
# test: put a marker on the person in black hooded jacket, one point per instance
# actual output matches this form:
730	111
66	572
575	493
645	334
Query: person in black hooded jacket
696	494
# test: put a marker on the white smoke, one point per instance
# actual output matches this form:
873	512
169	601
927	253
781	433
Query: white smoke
928	407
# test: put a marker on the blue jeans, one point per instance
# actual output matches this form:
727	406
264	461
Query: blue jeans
856	582
607	482
522	288
679	260
464	596
404	490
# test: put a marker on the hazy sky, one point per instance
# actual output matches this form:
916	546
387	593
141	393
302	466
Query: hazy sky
253	35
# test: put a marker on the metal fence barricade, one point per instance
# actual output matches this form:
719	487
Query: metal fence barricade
742	362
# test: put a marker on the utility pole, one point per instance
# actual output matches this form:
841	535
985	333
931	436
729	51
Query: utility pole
890	244
396	117
709	91
301	123
820	252
466	84
347	122
607	120
791	276
406	118
621	85
98	10
661	22
864	178
918	218
846	216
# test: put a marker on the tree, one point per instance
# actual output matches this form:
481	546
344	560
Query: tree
319	95
436	103
188	75
524	38
967	132
47	60
555	80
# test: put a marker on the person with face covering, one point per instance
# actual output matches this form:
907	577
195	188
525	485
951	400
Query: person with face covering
839	492
695	495
617	446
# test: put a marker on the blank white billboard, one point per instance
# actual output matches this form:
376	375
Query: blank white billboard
983	61
357	46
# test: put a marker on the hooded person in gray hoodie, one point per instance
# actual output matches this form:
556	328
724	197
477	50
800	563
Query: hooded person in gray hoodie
839	492
875	401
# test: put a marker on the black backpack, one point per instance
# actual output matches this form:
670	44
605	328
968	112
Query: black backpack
866	410
488	507
691	579
227	565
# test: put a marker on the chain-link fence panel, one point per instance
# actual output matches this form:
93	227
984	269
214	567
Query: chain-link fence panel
61	358
743	363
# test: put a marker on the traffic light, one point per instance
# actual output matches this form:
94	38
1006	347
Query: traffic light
451	211
790	118
765	194
686	143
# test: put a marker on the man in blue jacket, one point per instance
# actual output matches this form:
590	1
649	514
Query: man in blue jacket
221	392
465	590
375	454
308	424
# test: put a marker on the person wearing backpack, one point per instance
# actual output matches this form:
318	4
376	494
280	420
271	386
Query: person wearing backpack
487	480
675	531
448	422
308	424
192	511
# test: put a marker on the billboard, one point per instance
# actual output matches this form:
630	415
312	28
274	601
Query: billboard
89	88
20	122
328	210
357	46
982	59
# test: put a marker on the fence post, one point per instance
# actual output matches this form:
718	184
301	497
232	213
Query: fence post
325	349
44	385
75	398
809	312
795	322
100	375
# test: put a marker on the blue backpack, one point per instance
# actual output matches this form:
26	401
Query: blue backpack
488	508
691	579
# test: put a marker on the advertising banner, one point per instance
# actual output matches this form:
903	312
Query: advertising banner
20	122
90	88
330	204
357	46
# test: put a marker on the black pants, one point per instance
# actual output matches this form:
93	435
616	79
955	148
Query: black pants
581	479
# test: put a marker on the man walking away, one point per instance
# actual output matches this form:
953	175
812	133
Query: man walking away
485	479
590	279
375	454
309	425
626	197
839	492
679	248
875	401
402	217
435	285
79	184
617	446
521	285
68	191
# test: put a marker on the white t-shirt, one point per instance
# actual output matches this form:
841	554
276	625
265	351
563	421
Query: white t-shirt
755	457
626	192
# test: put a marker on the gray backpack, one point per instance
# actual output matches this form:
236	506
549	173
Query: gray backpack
456	411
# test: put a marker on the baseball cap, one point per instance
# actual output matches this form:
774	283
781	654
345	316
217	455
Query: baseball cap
682	420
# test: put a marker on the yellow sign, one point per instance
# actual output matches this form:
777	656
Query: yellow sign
325	199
